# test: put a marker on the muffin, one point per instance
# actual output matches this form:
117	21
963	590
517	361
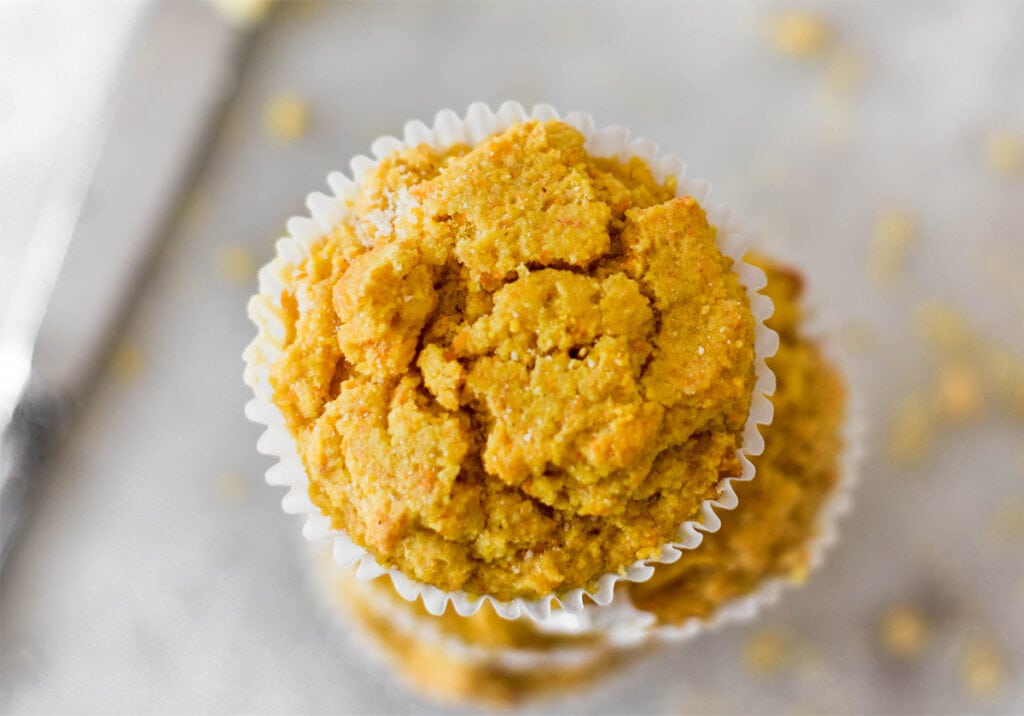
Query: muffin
482	658
514	369
777	525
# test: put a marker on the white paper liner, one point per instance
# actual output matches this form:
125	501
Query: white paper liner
325	575
625	626
327	211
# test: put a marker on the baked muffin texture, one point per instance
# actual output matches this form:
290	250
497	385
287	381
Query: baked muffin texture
768	535
513	368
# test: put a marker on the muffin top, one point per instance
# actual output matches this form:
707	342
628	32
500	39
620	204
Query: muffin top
514	368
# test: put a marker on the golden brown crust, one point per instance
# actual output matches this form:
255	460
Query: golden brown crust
515	368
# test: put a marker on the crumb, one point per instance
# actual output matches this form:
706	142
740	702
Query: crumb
890	242
910	432
904	631
126	362
764	653
244	13
943	327
231	487
799	34
799	572
236	265
958	391
982	670
1004	152
287	118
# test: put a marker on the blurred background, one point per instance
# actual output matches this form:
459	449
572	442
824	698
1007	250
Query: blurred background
880	147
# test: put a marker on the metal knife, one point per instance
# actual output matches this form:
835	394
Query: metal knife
98	230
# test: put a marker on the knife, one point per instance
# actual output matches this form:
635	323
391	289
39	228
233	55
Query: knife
98	231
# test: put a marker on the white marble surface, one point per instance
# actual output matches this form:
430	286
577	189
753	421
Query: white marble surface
147	584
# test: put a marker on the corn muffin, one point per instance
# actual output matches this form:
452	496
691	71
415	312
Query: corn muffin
769	534
513	368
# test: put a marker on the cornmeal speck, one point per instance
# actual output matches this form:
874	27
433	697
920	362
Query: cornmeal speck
799	34
904	631
287	118
1004	152
983	670
765	653
959	391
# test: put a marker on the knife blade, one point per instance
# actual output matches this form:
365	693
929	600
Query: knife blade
96	236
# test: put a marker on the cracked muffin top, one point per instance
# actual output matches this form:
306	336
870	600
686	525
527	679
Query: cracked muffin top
514	368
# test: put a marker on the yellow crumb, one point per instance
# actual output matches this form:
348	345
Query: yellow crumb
904	631
236	265
891	240
910	433
799	34
764	653
231	487
982	670
244	13
799	571
959	395
1004	152
126	362
287	118
945	328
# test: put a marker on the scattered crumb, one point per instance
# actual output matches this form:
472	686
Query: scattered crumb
764	653
236	265
904	631
982	670
890	242
910	432
231	487
244	13
799	571
287	118
1004	152
959	394
799	34
126	362
943	327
